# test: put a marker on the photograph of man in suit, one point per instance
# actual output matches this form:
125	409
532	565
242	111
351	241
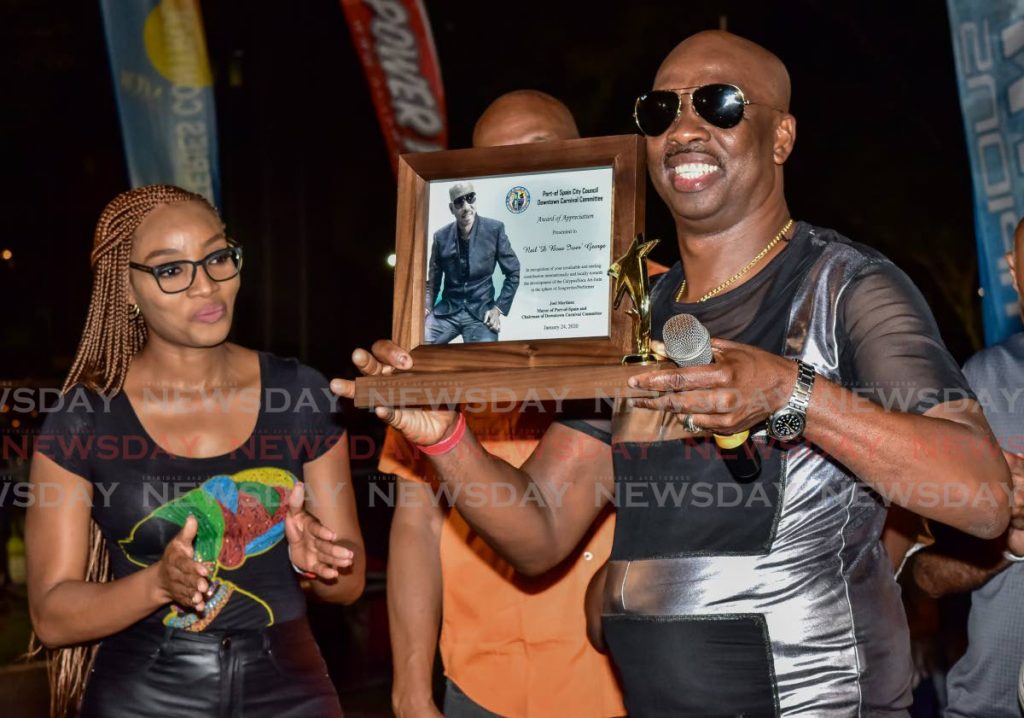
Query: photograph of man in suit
464	254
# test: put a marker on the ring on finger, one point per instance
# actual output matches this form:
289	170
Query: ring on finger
690	426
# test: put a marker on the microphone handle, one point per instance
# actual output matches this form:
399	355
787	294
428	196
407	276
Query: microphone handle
739	454
738	451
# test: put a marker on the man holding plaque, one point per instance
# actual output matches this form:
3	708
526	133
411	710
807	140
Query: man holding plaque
769	596
463	257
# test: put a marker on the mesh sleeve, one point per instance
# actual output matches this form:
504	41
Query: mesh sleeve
898	358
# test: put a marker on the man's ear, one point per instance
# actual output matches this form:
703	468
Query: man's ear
785	138
451	207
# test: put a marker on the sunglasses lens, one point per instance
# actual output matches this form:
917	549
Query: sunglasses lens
656	111
465	199
721	105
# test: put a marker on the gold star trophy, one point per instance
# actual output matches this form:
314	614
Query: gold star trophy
630	274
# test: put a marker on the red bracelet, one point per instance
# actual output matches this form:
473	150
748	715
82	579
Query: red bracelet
446	445
304	574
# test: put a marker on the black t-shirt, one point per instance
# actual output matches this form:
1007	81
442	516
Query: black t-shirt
142	495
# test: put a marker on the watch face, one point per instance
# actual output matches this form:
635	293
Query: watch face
788	425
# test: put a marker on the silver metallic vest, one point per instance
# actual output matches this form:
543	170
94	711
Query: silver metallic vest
836	625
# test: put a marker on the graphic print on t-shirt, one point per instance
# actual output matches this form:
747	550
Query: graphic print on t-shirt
240	516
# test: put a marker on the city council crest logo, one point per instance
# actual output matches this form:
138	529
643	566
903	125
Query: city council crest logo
517	199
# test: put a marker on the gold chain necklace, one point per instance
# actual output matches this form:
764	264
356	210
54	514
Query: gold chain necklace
760	255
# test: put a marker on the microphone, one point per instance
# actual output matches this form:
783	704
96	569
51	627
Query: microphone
688	343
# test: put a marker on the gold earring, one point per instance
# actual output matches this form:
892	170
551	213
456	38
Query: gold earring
133	312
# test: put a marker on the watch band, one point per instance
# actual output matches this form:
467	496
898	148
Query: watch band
800	399
797	404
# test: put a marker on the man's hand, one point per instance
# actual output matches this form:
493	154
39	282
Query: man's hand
1015	536
420	426
742	387
963	563
493	319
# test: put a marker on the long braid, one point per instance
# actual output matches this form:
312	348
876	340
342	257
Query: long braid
111	338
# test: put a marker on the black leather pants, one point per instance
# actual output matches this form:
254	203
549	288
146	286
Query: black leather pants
275	672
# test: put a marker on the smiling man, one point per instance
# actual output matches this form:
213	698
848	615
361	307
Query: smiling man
771	596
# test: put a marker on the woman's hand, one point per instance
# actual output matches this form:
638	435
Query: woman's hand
311	545
420	426
181	579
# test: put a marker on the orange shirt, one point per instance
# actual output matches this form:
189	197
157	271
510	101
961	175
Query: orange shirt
516	645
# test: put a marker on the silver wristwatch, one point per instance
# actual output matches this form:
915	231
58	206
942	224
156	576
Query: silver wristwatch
788	423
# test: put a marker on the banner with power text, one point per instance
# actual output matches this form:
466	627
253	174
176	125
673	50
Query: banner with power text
988	42
399	59
164	93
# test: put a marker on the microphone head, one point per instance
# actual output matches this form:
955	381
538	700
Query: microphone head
687	341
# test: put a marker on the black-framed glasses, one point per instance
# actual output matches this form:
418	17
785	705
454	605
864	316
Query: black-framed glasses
177	276
465	199
720	104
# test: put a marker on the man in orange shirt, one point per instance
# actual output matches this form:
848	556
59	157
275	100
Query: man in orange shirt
511	645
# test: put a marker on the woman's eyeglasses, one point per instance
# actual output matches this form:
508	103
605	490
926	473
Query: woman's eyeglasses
177	276
719	104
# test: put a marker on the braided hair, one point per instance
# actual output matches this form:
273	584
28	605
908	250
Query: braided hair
114	332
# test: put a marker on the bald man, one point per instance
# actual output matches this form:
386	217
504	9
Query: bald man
524	116
771	596
511	646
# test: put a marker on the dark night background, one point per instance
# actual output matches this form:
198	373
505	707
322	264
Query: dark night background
307	186
308	189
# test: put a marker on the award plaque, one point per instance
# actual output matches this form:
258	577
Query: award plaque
512	264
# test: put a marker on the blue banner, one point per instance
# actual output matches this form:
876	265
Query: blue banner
988	41
164	93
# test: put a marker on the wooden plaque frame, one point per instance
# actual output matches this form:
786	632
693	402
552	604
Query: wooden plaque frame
472	365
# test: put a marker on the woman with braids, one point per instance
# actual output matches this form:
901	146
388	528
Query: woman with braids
195	469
